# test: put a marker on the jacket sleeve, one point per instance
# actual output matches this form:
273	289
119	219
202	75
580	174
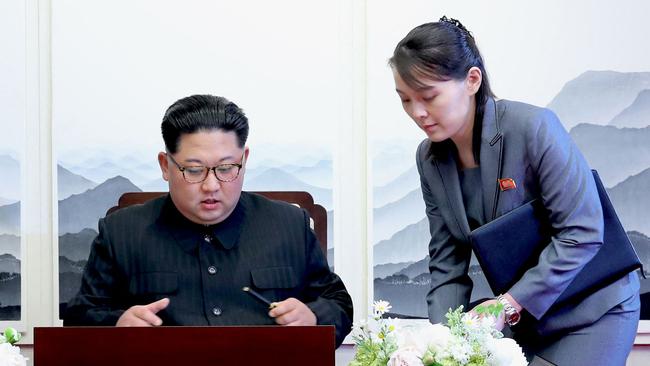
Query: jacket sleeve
448	259
325	293
569	193
97	302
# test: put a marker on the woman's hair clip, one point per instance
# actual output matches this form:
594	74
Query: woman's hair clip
456	23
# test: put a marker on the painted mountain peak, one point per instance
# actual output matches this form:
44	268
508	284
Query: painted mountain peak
10	244
9	264
10	184
397	188
68	182
597	97
637	114
81	211
275	179
394	216
76	247
631	198
407	245
616	153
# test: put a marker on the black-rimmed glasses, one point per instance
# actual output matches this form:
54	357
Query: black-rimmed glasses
198	174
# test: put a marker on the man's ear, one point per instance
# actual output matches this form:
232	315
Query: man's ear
246	152
164	165
473	80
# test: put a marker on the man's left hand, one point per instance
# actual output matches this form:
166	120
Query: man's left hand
292	312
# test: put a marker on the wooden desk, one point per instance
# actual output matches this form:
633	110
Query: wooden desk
258	345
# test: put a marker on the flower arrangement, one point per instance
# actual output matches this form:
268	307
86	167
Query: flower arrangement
467	339
10	354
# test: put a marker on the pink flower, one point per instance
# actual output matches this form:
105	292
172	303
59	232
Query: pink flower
405	357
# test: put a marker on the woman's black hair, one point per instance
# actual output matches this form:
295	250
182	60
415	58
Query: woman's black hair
442	50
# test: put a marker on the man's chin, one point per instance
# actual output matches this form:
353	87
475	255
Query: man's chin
211	217
204	217
211	220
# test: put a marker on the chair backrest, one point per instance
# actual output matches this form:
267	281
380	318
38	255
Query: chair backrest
301	199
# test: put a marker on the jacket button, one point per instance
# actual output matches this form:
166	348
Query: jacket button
207	238
216	311
212	270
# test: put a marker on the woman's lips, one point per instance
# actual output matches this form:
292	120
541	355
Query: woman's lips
429	127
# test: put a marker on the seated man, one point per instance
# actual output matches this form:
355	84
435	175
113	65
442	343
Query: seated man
184	258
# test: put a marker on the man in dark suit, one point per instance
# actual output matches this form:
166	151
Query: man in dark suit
184	258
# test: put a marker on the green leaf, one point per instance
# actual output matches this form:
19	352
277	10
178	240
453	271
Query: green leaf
11	335
492	309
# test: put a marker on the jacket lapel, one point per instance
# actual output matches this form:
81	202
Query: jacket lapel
449	176
491	155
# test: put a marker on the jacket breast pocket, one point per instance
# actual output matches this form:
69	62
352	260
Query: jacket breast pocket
277	283
149	284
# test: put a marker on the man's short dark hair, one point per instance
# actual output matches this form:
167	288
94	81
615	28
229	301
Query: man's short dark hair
202	113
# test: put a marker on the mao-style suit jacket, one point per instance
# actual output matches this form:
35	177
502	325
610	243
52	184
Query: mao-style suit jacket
147	252
529	145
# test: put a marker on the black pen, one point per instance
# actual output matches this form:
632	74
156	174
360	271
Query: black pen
261	298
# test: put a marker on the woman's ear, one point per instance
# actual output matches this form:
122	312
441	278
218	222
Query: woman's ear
473	80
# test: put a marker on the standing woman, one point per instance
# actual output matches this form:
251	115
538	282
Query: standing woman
442	83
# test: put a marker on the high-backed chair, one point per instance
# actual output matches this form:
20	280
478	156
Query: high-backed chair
301	199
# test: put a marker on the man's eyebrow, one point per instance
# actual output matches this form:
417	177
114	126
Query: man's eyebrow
199	161
192	160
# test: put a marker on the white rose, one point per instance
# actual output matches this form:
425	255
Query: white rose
434	337
505	352
406	337
405	357
10	356
419	339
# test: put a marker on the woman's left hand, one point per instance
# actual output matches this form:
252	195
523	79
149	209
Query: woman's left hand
499	322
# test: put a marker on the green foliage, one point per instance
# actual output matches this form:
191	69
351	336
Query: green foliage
491	310
10	336
374	351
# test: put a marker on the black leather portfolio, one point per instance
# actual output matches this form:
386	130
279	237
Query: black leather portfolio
511	244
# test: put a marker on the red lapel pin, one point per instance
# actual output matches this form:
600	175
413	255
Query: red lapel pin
506	184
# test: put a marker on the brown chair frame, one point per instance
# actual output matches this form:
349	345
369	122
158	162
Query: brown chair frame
300	198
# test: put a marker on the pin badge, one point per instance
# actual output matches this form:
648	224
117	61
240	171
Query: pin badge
507	184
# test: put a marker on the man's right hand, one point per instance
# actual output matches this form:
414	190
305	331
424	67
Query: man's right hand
143	315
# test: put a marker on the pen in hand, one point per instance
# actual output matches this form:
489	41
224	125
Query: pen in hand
259	297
